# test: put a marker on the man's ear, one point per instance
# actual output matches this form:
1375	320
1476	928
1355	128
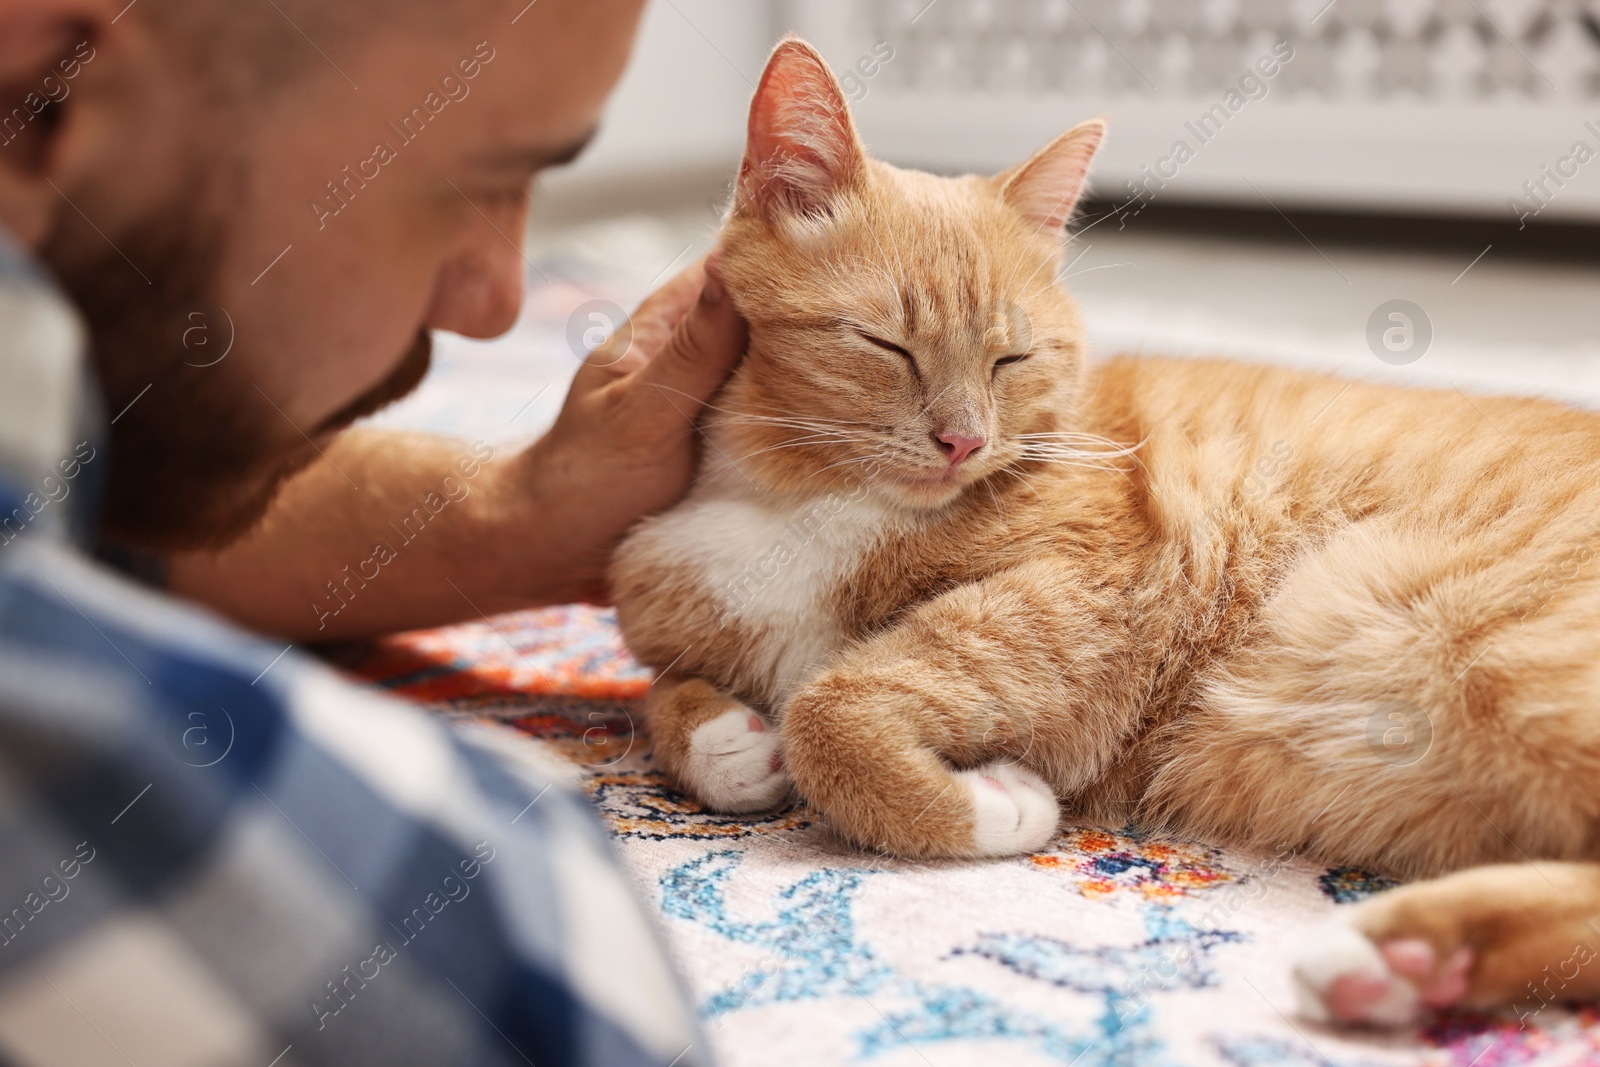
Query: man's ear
1046	188
43	44
802	149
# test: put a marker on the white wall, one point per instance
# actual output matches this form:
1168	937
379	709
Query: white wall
681	106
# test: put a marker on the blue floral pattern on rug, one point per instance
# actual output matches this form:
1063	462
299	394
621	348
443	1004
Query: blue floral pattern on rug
812	951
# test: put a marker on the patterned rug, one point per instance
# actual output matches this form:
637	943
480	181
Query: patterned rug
1107	949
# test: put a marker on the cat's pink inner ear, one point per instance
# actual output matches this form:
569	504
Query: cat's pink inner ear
802	148
1046	188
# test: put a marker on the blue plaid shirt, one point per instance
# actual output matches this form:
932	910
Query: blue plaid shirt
215	852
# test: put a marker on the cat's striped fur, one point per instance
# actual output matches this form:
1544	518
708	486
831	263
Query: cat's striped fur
1203	596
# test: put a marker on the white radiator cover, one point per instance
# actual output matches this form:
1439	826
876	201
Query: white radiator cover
1479	107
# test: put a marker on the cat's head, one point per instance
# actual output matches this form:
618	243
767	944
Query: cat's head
905	330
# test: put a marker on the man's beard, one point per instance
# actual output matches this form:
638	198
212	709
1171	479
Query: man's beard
198	452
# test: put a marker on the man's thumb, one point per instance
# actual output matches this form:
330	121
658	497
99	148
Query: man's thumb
705	347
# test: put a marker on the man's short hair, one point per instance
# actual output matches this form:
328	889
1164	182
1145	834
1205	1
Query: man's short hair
241	49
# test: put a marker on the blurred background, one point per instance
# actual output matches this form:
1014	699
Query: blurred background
1282	178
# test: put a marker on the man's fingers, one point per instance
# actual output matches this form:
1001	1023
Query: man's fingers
647	330
678	293
706	345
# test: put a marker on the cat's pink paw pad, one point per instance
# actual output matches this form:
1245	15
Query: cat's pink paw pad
1014	811
1342	977
735	763
1438	985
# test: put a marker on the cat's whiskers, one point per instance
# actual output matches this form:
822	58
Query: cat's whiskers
1082	435
1075	444
1011	274
1057	268
1053	449
1074	457
1010	469
1099	448
838	431
793	421
1005	517
1074	448
801	442
1054	265
755	416
846	462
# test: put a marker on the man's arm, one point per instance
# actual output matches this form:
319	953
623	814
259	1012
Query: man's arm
399	530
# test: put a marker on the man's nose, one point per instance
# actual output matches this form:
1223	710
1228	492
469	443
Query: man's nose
956	446
480	293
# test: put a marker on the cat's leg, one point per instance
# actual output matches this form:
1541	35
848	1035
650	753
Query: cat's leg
863	764
1518	935
952	732
715	746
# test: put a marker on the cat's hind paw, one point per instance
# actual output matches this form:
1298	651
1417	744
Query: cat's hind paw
1014	811
1341	976
735	763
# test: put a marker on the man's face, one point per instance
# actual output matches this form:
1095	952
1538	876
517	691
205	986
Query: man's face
311	233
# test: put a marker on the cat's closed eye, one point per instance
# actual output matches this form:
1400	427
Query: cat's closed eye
890	346
1006	361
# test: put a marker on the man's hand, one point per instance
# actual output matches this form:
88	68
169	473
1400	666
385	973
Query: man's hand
625	443
536	528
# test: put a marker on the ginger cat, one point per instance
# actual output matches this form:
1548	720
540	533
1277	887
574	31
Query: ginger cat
943	575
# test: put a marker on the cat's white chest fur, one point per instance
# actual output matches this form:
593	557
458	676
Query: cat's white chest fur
774	570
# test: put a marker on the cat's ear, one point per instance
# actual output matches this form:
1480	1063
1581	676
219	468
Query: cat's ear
802	149
1046	188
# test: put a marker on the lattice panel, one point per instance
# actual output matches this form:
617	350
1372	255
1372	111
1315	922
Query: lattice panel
1450	51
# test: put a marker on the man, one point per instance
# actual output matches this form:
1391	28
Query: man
226	228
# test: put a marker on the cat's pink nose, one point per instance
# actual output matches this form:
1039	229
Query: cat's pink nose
957	447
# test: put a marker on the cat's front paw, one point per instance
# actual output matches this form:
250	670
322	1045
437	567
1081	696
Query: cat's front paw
1014	811
735	763
1342	976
